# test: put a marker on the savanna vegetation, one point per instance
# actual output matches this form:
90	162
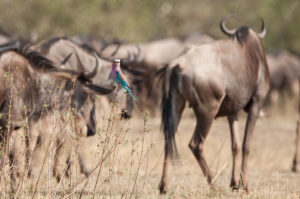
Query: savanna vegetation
136	21
124	159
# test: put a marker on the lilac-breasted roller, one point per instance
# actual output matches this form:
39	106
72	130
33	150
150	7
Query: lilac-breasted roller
119	77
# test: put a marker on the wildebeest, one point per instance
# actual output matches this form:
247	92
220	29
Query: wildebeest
56	49
297	151
285	73
81	60
284	68
216	79
154	56
32	87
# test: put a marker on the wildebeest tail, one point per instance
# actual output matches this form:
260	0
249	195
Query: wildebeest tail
92	120
170	118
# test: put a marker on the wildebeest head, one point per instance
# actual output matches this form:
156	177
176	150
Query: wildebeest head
57	49
38	84
217	79
249	41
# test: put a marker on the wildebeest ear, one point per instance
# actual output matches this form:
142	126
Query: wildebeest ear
94	72
66	59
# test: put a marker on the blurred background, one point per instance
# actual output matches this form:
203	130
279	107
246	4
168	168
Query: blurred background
138	21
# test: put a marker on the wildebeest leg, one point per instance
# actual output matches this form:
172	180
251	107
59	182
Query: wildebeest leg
28	155
196	144
127	112
57	157
13	166
68	168
13	160
91	126
10	152
38	143
251	120
83	168
2	143
163	182
296	157
180	103
235	146
294	88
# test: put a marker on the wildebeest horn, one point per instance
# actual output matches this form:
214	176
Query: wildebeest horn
66	59
94	72
263	31
223	27
80	62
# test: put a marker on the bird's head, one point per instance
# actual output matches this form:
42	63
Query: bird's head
116	63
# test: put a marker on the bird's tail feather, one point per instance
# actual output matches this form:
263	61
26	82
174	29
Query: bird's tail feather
132	96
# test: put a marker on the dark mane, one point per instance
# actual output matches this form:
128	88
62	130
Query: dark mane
36	59
15	45
39	61
242	34
255	53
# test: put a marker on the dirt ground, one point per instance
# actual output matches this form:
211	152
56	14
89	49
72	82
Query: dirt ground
133	168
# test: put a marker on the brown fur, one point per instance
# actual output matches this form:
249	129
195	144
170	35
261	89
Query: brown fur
217	79
31	87
284	72
81	60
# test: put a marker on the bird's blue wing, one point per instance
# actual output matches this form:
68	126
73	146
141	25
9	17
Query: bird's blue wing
121	81
125	86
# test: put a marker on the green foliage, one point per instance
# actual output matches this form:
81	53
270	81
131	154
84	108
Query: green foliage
137	21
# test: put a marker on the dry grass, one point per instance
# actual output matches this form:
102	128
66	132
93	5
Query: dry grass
127	160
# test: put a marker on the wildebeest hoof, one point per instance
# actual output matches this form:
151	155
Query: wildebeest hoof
162	188
125	115
294	168
58	178
234	186
246	188
213	187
